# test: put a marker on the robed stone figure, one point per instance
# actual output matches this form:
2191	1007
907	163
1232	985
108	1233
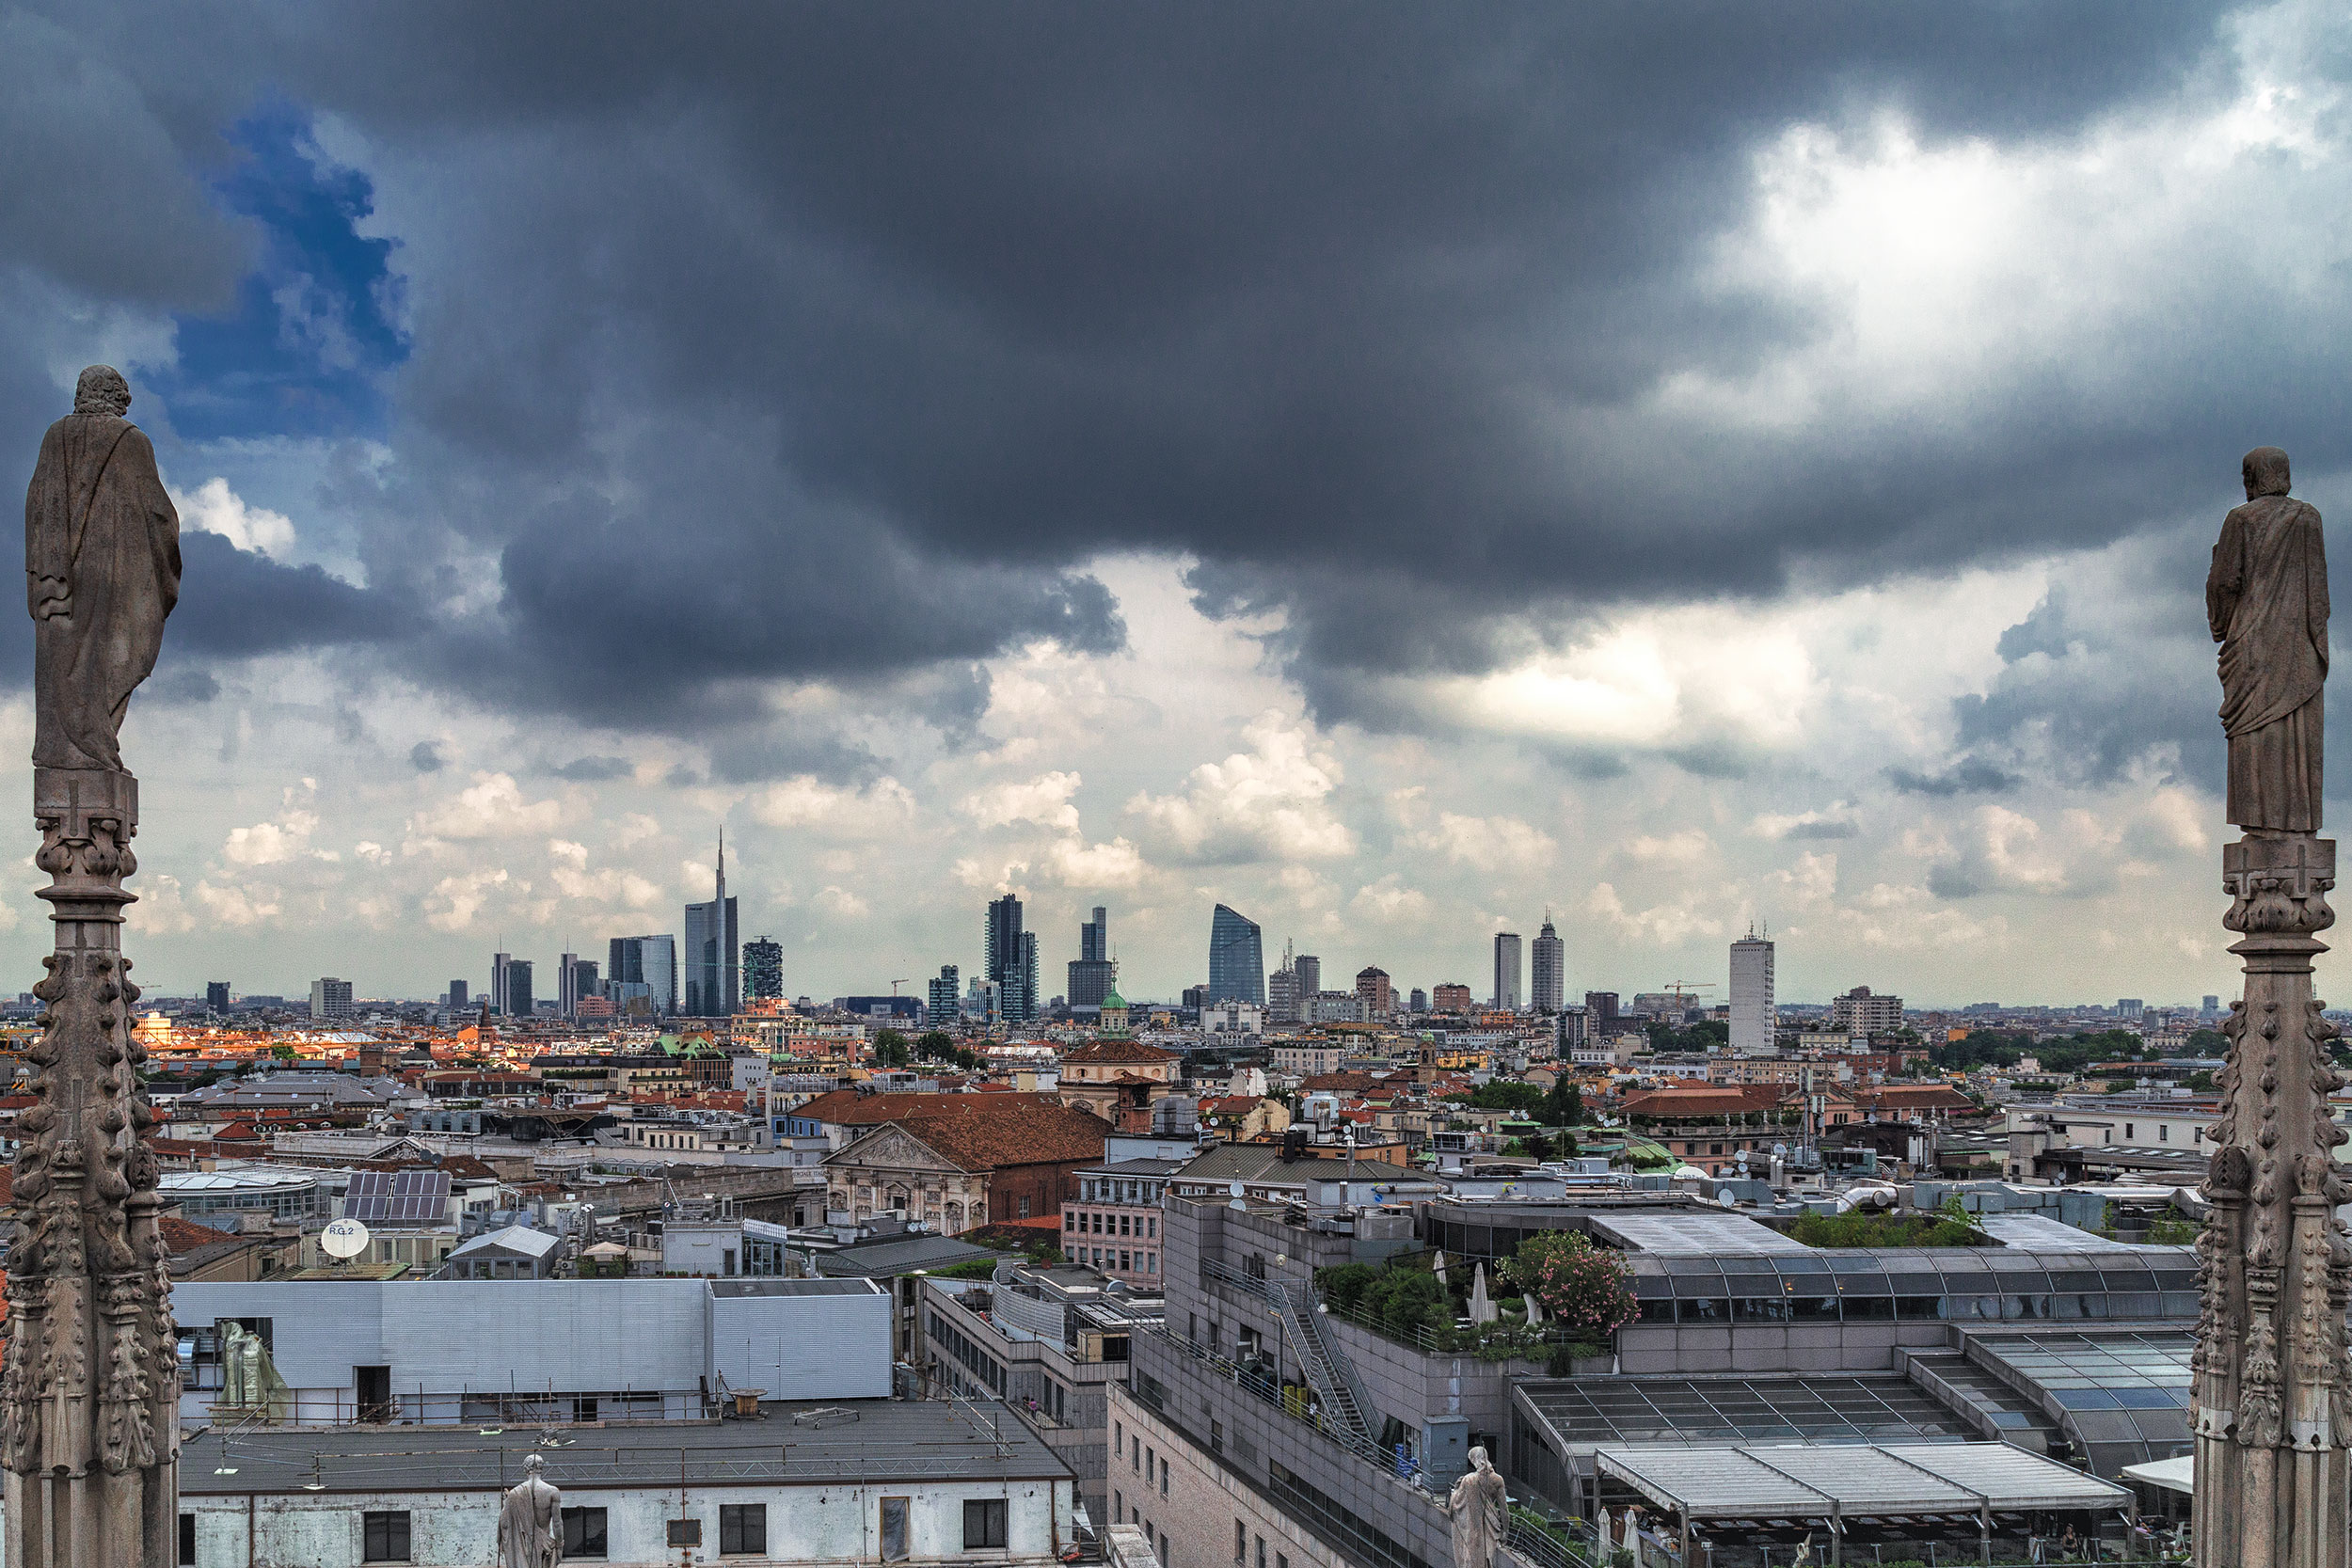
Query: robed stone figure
102	570
1475	1508
2266	602
531	1521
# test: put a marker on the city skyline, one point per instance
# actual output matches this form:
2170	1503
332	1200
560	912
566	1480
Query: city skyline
1898	645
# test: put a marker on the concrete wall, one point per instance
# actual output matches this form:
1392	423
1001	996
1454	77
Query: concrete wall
1255	1435
810	1524
1864	1347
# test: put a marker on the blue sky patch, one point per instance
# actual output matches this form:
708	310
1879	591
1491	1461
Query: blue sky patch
307	347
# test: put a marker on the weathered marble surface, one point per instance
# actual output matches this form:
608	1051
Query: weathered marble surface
89	1432
2272	1406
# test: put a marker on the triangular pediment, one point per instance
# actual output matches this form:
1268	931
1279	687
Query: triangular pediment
893	1148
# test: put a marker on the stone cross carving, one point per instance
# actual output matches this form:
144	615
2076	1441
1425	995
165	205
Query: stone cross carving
89	1387
531	1521
2267	1379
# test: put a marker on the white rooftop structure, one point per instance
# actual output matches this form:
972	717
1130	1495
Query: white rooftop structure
1854	1481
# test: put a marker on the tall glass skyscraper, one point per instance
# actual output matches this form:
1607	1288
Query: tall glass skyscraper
1010	957
714	976
1236	958
1507	971
1093	973
650	963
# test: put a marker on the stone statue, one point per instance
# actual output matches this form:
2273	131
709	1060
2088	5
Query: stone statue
2268	1385
89	1381
531	1521
233	1373
250	1380
102	570
2267	603
1476	1507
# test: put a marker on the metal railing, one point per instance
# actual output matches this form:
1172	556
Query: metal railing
1529	1344
1266	1388
1329	1373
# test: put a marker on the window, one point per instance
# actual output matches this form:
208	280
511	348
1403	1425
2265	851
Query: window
1150	1263
1261	1552
1241	1541
894	1530
1150	1227
1135	1454
686	1532
583	1532
383	1537
1024	1209
1118	1508
187	1541
1163	1476
1070	1220
743	1528
984	1524
1123	1221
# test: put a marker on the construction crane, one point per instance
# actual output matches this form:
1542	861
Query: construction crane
896	984
1678	989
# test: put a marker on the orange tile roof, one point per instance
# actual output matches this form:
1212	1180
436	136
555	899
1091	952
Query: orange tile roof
990	1133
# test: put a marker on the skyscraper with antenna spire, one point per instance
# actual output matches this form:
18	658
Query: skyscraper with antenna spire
714	980
1755	1021
1548	976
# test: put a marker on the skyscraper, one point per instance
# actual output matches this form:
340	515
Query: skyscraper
1282	990
1508	971
945	1002
1236	958
647	962
713	979
1092	973
216	996
1310	970
1009	960
1548	988
763	970
1754	1020
1372	989
460	996
510	986
330	998
575	977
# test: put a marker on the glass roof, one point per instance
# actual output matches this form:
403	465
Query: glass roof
2122	1399
1584	1413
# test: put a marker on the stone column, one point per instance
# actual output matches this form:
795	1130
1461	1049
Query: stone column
2268	1381
89	1427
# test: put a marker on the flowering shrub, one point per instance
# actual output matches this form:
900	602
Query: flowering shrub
1583	1286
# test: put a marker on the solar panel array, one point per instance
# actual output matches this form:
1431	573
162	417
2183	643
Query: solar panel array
397	1199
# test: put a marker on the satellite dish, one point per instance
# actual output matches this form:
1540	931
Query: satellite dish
343	1239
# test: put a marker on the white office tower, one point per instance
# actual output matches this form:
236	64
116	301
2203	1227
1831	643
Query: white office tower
1509	972
1752	1018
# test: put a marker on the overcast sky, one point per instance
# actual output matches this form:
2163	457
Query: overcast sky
1392	470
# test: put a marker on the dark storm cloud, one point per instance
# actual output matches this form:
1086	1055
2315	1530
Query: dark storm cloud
425	757
236	604
1968	776
831	341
